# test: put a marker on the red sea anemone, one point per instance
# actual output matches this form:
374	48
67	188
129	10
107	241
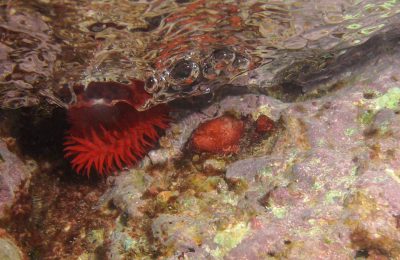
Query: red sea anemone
107	131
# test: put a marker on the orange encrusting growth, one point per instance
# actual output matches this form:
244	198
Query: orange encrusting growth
264	124
106	138
219	136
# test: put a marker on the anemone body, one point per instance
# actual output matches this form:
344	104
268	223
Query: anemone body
107	132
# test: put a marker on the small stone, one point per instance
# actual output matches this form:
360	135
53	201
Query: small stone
9	250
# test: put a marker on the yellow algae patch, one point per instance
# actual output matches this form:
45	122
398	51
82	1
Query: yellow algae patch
229	238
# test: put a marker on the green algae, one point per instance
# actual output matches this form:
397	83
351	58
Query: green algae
229	238
333	195
96	237
354	26
205	197
371	29
368	7
367	117
353	17
321	143
384	128
319	229
278	211
230	199
318	185
315	161
138	180
351	178
266	172
129	243
350	131
389	100
202	183
393	175
314	231
389	4
188	202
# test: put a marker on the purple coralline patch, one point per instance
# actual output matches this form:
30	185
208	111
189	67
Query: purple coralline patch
13	173
246	169
323	184
328	188
127	192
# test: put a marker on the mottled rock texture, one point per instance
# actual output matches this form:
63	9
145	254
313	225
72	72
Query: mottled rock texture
325	185
13	173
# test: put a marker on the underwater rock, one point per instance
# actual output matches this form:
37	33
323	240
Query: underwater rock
326	187
185	122
28	54
8	248
247	169
13	174
374	227
181	232
127	191
341	182
250	44
301	197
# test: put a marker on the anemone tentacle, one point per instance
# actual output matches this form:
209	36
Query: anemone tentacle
106	143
